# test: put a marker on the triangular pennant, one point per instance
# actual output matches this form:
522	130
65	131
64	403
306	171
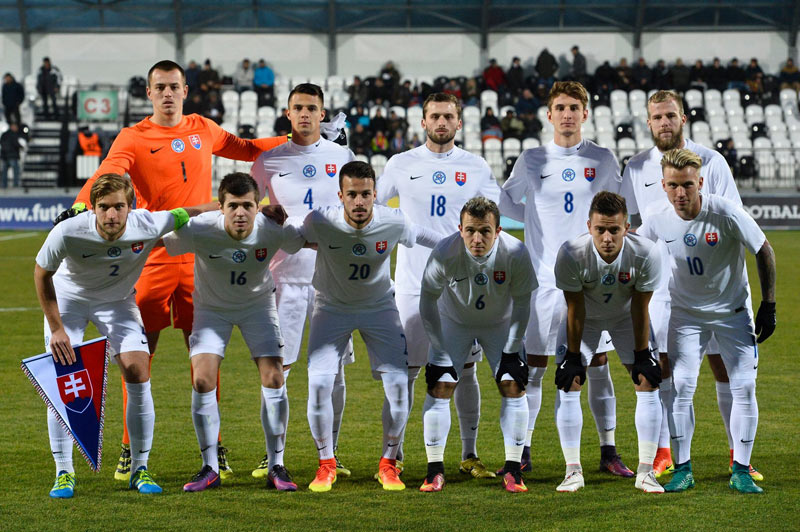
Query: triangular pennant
76	394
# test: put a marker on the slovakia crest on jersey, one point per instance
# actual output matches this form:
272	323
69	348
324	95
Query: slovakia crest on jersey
499	277
624	277
589	174
461	178
712	239
330	169
137	247
381	246
194	140
261	254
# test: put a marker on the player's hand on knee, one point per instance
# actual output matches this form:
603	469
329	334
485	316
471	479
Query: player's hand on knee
61	347
646	365
69	213
434	373
513	364
570	368
276	213
766	320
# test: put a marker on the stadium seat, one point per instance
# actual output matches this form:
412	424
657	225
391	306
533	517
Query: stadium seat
731	98
694	98
399	110
511	147
363	158
530	143
265	130
619	97
637	97
607	141
414	115
473	144
699	128
489	99
320	81
601	111
713	98
230	99
378	163
626	147
335	82
471	112
505	109
788	96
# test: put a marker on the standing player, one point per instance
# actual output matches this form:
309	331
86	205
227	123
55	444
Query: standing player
551	188
168	158
234	287
643	176
354	291
608	277
482	280
302	175
706	236
433	181
85	272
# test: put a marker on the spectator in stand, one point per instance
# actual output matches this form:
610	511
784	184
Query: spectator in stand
731	156
471	94
10	146
13	96
624	75
415	141
642	75
577	70
716	76
193	77
526	103
47	84
213	108
605	79
243	77
283	126
360	140
789	77
661	76
697	76
358	92
736	76
546	68
756	84
452	87
398	142
380	144
402	95
753	69
209	78
680	75
494	77
512	126
490	126
194	105
361	116
397	123
390	77
533	126
515	77
378	122
264	84
381	92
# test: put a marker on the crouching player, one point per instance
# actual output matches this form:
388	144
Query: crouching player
85	272
608	277
480	280
233	286
706	236
354	291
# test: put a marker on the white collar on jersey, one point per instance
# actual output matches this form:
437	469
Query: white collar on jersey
306	149
572	150
435	155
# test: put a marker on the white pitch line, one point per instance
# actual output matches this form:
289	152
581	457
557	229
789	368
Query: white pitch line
19	235
19	309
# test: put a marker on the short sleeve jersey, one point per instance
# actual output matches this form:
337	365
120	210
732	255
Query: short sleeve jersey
300	178
170	167
231	274
707	255
557	185
478	291
352	270
432	188
90	268
608	287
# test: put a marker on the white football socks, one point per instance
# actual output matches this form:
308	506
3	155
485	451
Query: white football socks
468	407
725	403
681	414
744	418
533	394
141	419
276	406
435	426
602	402
569	421
60	444
395	388
320	413
205	416
648	425
665	393
514	424
339	397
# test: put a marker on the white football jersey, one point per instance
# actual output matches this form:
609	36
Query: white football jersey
352	269
608	288
432	188
230	274
478	291
556	186
90	268
301	178
642	179
707	255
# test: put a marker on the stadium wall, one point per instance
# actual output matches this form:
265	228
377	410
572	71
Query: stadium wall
115	57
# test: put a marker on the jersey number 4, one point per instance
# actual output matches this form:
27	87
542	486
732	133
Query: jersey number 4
309	200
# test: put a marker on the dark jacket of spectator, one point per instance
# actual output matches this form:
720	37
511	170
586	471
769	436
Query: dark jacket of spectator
680	75
390	76
515	76
194	105
546	65
192	73
512	126
697	75
13	96
10	145
527	103
282	124
661	76
624	75
489	120
753	69
735	72
605	76
402	96
716	76
378	122
49	79
208	78
396	123
358	92
360	140
213	108
642	75
577	70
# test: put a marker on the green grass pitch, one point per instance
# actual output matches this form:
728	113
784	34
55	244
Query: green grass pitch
359	503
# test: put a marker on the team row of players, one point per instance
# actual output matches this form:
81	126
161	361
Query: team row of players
435	177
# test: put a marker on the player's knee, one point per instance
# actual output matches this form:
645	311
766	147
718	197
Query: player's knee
599	359
441	380
743	389
538	361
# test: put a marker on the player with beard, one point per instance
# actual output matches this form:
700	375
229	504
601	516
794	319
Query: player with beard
642	179
433	182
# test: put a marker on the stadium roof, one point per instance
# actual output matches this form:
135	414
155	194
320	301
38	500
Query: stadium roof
360	16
